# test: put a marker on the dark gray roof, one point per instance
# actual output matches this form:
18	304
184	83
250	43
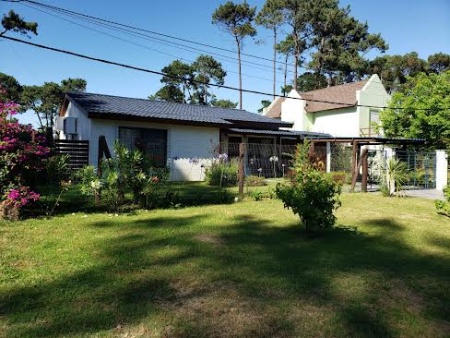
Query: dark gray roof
98	105
291	133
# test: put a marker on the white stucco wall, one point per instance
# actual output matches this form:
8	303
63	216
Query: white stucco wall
293	110
342	122
84	123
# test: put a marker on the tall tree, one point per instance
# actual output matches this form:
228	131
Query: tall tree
15	23
439	62
421	110
10	89
236	19
296	16
45	100
340	42
189	83
395	69
206	70
223	103
271	17
178	82
310	81
286	47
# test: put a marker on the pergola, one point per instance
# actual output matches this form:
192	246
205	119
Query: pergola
359	159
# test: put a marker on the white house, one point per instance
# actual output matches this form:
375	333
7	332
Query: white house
181	136
348	110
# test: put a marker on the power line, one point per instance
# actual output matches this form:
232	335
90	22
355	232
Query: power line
137	31
150	31
138	44
343	104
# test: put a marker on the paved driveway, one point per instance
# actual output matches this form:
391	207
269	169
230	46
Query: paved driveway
426	193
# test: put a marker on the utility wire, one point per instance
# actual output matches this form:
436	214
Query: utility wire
343	104
138	44
150	31
137	31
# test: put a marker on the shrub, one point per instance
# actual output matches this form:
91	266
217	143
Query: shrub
338	177
22	154
128	173
222	172
255	181
443	207
311	193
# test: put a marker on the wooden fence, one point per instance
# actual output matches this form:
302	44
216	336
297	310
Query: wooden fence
78	152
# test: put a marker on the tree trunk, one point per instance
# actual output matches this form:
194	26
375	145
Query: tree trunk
240	71
274	61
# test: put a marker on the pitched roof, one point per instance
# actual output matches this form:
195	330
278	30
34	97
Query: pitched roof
335	97
108	106
274	109
292	133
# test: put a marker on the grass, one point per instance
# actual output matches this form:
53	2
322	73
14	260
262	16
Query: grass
241	270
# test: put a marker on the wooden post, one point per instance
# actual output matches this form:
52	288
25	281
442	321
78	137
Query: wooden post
357	163
241	168
365	169
102	150
355	146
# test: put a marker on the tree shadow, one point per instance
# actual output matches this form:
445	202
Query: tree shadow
256	279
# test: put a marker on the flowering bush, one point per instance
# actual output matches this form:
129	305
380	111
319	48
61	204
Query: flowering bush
19	197
22	151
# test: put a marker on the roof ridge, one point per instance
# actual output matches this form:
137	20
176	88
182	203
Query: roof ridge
148	100
328	88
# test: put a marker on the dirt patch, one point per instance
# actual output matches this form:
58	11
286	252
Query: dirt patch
210	239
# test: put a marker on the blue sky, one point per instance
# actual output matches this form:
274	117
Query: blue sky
421	26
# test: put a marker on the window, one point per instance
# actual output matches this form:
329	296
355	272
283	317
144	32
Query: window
152	142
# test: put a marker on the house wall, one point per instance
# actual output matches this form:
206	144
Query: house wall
342	122
189	148
84	123
293	110
373	94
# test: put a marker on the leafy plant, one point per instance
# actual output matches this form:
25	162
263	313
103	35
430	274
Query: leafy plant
256	195
311	193
255	181
222	172
395	175
443	207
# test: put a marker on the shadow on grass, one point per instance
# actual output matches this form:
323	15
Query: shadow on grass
253	279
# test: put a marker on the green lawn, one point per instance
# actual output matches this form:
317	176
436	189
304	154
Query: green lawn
239	270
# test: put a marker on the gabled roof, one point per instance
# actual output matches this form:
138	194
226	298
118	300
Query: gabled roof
116	107
335	97
274	109
330	98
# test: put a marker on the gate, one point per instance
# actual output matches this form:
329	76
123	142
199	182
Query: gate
420	167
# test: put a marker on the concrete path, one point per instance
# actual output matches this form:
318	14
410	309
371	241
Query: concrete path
426	193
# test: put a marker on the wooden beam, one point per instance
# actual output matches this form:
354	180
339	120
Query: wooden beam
241	171
365	169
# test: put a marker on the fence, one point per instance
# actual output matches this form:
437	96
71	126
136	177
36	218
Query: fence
78	152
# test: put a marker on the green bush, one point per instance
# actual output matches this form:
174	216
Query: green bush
311	194
222	173
255	181
443	207
338	177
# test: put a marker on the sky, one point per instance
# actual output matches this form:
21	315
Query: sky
421	26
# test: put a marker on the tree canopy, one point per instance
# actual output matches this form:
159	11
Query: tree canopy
189	83
15	23
236	19
421	110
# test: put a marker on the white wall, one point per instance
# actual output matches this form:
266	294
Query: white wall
293	110
84	123
343	122
189	148
441	169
